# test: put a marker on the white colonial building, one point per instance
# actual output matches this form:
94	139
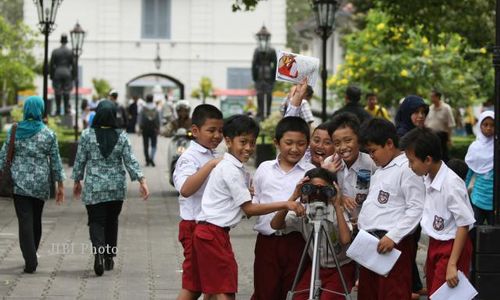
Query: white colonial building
193	38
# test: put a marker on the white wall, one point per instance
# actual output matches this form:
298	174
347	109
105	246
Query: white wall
206	39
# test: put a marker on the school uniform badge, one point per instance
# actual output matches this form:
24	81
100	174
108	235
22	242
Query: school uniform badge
438	223
383	197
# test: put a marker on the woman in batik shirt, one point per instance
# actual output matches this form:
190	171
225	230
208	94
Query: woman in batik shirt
36	157
104	152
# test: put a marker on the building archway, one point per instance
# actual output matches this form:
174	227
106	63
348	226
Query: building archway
150	82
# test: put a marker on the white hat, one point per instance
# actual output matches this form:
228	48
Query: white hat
113	92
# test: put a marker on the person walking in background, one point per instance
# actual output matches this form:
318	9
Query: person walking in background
36	157
352	96
104	152
149	124
299	107
374	109
133	111
479	158
121	112
441	120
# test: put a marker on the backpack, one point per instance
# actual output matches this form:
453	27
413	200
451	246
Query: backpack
149	120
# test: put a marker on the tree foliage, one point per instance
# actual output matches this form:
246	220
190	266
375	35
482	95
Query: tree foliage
12	10
244	5
17	64
101	87
204	90
395	61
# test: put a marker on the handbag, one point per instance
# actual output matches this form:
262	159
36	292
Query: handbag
6	182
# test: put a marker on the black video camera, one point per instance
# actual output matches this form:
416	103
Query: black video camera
317	193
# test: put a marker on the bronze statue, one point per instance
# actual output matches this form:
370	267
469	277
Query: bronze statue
62	74
264	73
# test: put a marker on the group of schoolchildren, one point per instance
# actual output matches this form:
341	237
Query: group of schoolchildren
386	191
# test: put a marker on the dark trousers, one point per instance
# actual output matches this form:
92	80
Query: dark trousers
65	97
416	283
264	101
29	216
148	138
444	137
103	226
482	215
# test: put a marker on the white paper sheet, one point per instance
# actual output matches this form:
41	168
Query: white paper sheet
364	251
463	291
294	68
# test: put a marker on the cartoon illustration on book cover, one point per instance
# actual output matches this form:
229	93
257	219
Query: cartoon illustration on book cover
295	68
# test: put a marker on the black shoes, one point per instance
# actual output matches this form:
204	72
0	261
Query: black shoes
150	162
109	264
99	264
30	269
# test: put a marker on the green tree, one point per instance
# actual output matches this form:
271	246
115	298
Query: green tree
17	64
205	89
12	10
397	61
101	87
244	5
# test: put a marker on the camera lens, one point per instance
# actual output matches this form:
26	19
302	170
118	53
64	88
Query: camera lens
328	192
307	189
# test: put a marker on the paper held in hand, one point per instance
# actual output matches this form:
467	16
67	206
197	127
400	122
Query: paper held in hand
364	251
463	291
294	68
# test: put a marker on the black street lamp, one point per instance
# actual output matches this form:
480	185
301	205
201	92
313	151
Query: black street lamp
263	70
47	11
324	11
77	36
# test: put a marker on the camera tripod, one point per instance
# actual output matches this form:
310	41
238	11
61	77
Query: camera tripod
317	213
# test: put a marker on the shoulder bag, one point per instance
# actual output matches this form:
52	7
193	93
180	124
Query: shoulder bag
6	183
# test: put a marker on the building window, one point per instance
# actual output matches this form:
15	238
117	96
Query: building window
239	78
156	19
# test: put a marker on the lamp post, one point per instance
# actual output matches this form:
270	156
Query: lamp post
324	11
77	36
47	11
263	69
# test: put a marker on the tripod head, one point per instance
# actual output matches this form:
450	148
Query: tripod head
316	211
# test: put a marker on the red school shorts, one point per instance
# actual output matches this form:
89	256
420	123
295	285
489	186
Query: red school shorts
330	280
214	257
397	284
438	255
276	262
190	280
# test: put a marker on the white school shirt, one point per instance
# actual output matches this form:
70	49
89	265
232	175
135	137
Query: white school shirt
395	200
195	157
446	206
302	225
226	191
272	184
348	178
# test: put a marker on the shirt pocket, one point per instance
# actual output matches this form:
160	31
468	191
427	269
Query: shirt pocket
387	195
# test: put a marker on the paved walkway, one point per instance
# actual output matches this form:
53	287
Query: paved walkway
149	259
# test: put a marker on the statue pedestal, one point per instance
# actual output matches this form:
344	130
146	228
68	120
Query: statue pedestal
66	121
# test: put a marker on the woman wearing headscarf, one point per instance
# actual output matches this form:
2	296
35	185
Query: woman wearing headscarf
411	113
36	157
479	159
104	153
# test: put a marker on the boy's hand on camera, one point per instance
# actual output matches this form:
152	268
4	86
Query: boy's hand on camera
385	245
337	200
297	207
298	189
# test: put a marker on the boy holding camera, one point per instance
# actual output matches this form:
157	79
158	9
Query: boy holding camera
277	255
226	201
391	211
319	189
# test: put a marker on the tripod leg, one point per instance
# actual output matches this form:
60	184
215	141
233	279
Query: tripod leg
300	269
315	285
330	246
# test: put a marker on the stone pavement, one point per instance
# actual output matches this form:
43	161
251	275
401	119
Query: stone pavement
149	256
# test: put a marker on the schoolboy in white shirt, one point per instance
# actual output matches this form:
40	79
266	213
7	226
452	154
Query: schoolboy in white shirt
352	167
391	211
277	255
190	176
448	214
225	201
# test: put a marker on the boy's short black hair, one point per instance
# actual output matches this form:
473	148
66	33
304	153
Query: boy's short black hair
203	112
459	167
344	120
371	94
353	93
323	174
295	124
423	142
149	98
238	125
378	131
323	126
